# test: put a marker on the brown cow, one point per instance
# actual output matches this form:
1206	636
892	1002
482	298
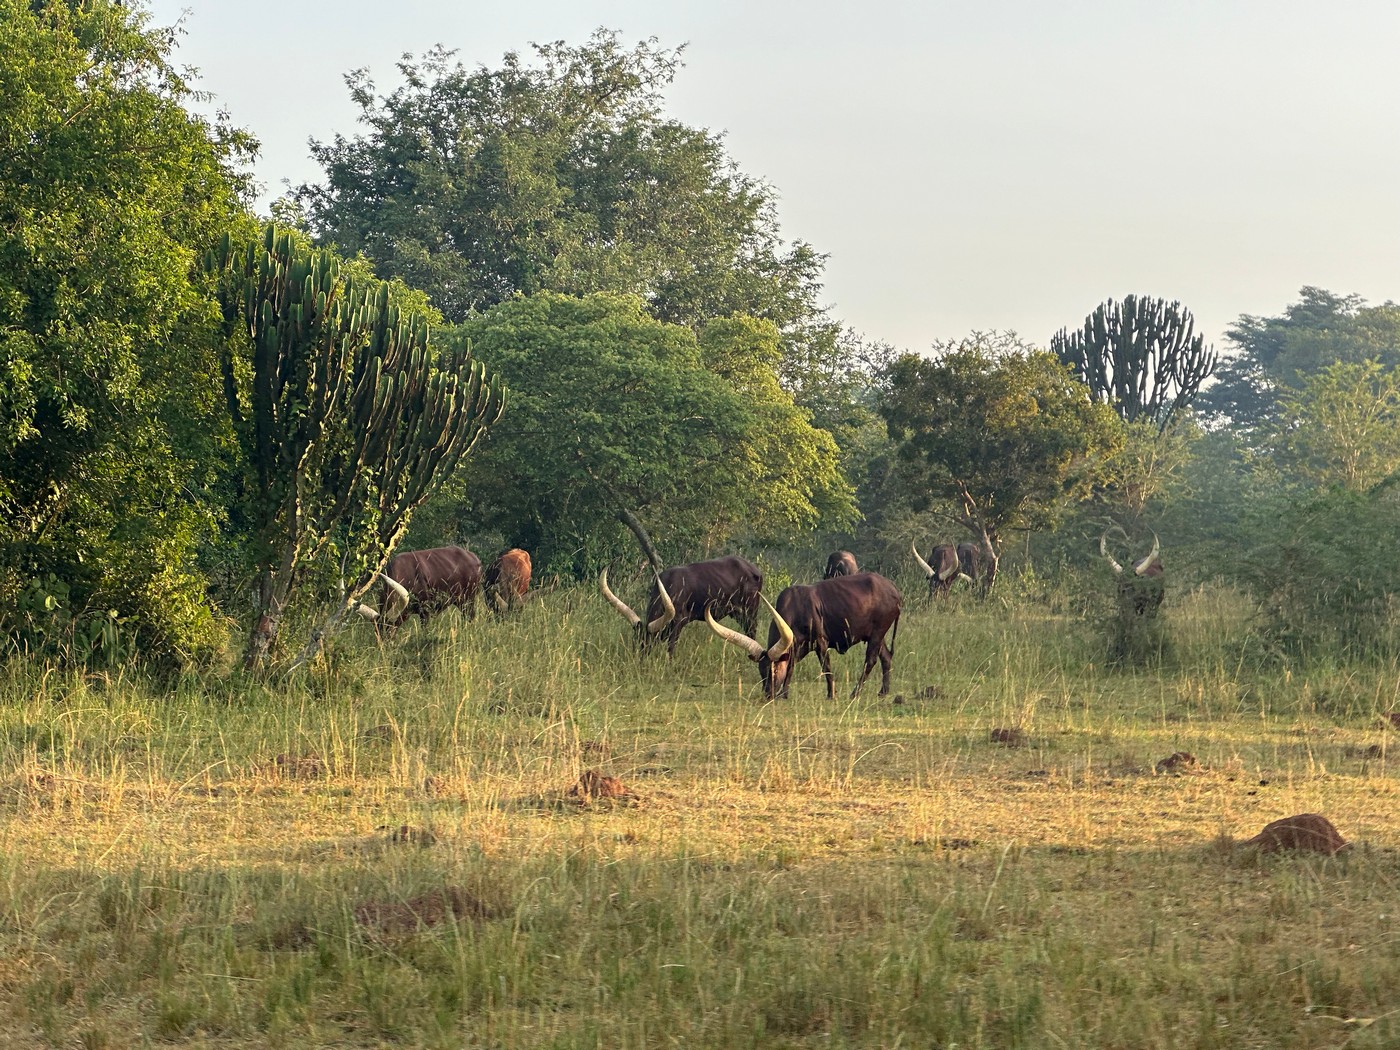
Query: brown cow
841	563
424	582
946	569
683	593
508	580
833	614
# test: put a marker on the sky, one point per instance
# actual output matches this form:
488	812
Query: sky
966	166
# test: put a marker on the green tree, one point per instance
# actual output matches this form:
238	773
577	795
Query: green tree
619	417
347	417
109	191
996	436
1343	426
1141	356
477	185
1274	353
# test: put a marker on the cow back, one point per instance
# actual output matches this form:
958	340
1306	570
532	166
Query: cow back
509	574
731	583
438	576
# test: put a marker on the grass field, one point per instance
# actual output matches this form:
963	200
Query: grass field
385	851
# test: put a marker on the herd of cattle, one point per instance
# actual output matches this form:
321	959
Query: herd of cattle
843	609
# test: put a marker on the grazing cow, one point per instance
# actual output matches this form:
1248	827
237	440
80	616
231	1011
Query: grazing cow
833	614
841	563
424	582
684	593
1141	593
947	567
508	580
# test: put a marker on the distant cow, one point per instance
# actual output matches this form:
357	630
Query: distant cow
684	593
945	567
507	581
834	614
1141	593
425	582
841	563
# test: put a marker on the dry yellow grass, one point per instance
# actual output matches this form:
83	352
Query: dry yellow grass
226	864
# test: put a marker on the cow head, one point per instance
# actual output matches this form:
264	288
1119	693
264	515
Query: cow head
1149	565
392	607
775	662
645	630
949	570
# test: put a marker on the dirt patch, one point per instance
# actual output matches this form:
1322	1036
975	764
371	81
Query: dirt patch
594	786
594	748
427	909
1179	762
1305	831
1391	719
1370	751
1008	736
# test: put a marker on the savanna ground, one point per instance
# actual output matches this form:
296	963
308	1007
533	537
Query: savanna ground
385	852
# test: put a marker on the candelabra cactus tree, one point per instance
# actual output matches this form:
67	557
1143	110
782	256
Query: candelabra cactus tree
1141	356
348	416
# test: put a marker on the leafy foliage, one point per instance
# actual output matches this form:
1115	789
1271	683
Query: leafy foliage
1141	356
1321	571
1342	427
480	184
998	432
1319	330
616	411
109	189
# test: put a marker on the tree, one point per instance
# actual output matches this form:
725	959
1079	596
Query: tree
1272	353
1343	426
347	417
477	185
109	192
1141	356
619	417
1148	464
997	434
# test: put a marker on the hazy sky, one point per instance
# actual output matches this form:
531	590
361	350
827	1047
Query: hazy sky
968	165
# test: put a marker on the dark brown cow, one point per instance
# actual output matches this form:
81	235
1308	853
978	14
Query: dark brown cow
833	614
944	568
1142	592
508	580
684	593
841	563
424	582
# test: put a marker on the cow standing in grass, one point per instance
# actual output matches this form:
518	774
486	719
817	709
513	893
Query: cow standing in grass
507	582
425	582
729	586
834	614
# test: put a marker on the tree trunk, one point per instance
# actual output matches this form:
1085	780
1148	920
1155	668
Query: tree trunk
273	591
639	530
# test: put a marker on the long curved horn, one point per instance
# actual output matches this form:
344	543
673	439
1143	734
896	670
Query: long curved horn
500	603
785	643
1141	567
928	569
401	598
743	641
659	624
1103	549
366	611
616	602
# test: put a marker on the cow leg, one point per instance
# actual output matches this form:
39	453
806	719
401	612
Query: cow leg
886	662
873	653
824	655
673	633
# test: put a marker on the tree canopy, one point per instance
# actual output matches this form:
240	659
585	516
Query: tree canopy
109	190
997	432
559	175
616	413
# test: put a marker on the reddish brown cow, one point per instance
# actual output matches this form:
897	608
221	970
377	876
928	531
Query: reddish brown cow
508	580
833	614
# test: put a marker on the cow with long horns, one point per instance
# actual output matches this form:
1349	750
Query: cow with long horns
425	582
944	569
841	563
834	614
507	581
1140	593
684	593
